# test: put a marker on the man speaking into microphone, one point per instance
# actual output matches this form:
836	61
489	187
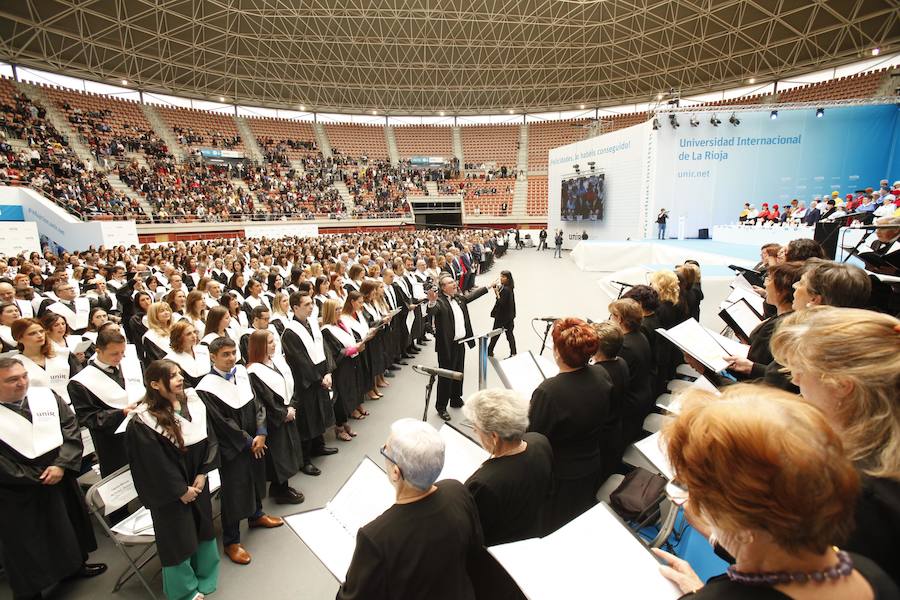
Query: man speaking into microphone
451	324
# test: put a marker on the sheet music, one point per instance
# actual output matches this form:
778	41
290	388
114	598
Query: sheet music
733	347
651	448
741	282
140	522
744	317
521	373
330	532
696	340
752	298
462	456
597	537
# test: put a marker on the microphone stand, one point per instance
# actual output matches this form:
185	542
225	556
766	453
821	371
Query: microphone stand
546	333
622	288
428	387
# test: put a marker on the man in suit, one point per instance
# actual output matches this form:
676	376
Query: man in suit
469	276
451	324
542	237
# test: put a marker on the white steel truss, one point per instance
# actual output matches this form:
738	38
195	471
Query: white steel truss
419	57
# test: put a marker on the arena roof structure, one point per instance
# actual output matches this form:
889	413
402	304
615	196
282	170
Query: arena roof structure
454	57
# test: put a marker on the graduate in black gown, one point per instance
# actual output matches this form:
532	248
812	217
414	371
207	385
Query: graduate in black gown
273	387
103	394
188	353
311	367
240	425
635	351
421	546
572	409
343	347
45	530
134	326
172	447
156	338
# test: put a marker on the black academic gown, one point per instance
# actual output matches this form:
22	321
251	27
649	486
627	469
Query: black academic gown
451	355
284	456
314	410
668	356
572	410
161	474
45	530
102	421
636	352
243	476
348	377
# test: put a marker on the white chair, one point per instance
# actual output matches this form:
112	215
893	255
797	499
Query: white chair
119	491
678	385
687	370
654	422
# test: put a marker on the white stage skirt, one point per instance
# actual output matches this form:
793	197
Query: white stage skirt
757	236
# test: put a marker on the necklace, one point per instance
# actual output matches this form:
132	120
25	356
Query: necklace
843	569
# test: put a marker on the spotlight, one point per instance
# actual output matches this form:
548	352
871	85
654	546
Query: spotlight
695	122
221	98
714	121
591	165
773	115
752	80
820	112
124	82
442	113
734	120
876	51
655	123
673	121
582	106
577	168
302	107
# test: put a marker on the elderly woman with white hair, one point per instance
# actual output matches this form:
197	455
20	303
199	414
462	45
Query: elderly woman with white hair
511	486
420	547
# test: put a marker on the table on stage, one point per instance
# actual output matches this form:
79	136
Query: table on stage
757	236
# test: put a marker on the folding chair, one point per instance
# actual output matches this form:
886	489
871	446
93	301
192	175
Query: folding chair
654	422
119	491
687	371
678	385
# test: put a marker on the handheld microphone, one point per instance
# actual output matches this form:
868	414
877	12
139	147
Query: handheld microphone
445	373
547	319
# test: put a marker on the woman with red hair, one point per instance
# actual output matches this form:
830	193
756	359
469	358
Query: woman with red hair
571	409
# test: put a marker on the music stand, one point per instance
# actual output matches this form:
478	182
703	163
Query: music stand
484	340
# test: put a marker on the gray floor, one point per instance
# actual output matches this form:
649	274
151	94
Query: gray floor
282	565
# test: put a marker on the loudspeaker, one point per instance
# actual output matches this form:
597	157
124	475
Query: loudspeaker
703	234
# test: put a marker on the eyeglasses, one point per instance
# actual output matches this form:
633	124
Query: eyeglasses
676	494
384	453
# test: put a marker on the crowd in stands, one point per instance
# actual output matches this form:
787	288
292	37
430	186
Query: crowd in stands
50	166
277	151
870	202
105	142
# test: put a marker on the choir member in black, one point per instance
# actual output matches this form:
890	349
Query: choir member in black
156	340
511	487
103	394
273	388
398	334
310	365
572	409
45	530
378	350
626	315
860	402
188	353
240	425
320	291
689	287
9	313
672	311
420	546
348	376
647	297
254	298
171	449
48	365
354	278
607	357
450	311
504	311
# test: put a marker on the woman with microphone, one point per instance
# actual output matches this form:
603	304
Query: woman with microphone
504	311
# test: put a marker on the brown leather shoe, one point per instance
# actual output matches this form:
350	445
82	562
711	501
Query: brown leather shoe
237	554
267	522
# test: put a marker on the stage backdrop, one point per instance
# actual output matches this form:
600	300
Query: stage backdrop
706	173
622	158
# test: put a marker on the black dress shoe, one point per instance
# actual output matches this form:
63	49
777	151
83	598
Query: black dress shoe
324	451
444	414
406	355
456	403
393	368
90	570
403	362
310	469
291	496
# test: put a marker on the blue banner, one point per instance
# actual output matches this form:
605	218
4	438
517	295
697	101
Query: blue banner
11	212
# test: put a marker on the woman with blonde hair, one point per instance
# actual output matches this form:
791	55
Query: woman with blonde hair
281	311
767	475
348	374
860	399
672	311
159	326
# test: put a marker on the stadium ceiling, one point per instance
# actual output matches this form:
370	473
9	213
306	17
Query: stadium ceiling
413	57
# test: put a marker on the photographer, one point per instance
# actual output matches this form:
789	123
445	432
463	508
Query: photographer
504	311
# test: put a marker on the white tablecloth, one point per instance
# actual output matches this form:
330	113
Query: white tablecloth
757	236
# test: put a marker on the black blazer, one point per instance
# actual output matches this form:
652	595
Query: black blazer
504	309
443	320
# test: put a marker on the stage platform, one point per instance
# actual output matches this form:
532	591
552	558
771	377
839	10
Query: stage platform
631	263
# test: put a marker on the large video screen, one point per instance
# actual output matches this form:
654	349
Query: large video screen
582	198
